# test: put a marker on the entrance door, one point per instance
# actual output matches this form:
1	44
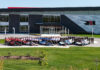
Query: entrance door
50	29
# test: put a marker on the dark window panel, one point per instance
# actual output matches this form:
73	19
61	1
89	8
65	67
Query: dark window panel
23	28
23	18
2	28
51	19
4	18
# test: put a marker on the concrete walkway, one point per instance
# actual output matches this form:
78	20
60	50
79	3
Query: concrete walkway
2	36
40	46
96	43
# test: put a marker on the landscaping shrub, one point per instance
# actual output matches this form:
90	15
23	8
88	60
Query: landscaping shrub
43	58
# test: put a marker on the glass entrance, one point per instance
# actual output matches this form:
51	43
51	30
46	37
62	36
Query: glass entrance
50	29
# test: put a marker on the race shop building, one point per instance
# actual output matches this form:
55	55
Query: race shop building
50	20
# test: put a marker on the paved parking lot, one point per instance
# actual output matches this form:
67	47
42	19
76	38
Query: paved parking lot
96	43
2	36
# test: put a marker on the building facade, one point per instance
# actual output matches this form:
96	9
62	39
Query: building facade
50	20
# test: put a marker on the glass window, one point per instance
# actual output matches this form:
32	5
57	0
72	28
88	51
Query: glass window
2	28
23	18
51	19
24	28
4	18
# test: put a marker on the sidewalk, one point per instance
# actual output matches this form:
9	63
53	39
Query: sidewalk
40	46
2	36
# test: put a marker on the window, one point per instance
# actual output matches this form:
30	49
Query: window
23	23
51	19
23	28
23	18
2	28
4	18
4	24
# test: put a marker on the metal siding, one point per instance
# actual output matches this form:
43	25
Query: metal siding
33	19
74	28
14	21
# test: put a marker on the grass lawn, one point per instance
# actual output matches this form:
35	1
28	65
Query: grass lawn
2	41
74	58
82	35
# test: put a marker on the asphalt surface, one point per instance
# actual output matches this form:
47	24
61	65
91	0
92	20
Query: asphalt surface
3	36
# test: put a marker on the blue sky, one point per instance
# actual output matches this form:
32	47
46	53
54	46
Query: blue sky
48	3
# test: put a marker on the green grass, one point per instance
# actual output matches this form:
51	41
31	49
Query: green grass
82	35
2	41
79	58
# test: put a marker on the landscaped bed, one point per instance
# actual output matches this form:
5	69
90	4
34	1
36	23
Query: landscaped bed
74	58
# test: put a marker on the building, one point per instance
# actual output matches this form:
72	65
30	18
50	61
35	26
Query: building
50	20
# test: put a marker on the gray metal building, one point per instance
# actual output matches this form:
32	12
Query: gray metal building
50	20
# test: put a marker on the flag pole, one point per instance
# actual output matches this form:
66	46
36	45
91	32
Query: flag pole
92	30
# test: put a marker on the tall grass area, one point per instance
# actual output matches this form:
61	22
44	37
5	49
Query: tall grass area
82	35
74	58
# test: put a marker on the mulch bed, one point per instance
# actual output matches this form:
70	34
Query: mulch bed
20	57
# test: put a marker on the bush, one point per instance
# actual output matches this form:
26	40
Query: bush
28	55
9	54
43	58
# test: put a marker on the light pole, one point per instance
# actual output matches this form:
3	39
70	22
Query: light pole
14	30
68	31
92	30
28	29
65	31
5	31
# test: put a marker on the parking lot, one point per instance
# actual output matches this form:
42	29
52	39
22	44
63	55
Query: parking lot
3	36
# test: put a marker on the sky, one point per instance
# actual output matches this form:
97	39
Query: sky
49	3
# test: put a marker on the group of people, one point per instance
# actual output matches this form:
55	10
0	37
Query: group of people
48	41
